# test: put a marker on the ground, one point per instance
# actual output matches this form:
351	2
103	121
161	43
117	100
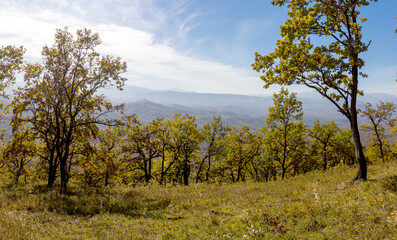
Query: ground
318	205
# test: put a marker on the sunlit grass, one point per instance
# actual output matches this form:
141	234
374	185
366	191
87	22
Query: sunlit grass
318	205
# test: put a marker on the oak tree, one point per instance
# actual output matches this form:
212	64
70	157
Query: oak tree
184	140
60	99
213	146
324	134
378	118
18	152
285	131
330	63
141	146
10	62
242	147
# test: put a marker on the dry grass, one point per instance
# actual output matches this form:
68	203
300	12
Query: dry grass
318	205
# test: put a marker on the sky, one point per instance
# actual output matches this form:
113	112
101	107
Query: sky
202	46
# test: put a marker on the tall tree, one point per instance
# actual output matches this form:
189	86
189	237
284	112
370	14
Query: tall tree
285	129
60	98
329	64
286	146
343	147
378	118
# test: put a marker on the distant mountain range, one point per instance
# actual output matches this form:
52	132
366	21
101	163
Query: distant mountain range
235	110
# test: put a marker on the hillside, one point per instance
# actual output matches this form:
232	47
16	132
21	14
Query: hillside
318	205
236	110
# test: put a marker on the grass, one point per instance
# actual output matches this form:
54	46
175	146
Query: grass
318	205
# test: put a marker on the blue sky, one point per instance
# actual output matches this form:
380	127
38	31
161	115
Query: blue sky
191	45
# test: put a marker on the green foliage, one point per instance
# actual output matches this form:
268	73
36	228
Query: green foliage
214	137
324	136
377	119
184	140
285	138
242	147
10	62
141	147
59	100
101	160
330	64
18	152
286	109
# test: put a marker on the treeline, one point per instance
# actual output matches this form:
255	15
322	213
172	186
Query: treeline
177	151
62	129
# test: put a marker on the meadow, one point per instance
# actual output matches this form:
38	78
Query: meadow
317	205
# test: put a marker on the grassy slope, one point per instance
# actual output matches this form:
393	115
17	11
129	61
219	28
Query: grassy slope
314	206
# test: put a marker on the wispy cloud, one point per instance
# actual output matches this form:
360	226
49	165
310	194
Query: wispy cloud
152	62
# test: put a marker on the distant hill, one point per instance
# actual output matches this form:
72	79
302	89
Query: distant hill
235	110
147	111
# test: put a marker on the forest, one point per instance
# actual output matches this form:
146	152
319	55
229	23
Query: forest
64	137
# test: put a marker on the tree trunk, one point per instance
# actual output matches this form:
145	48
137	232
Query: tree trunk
64	177
199	170
382	155
361	161
186	172
325	157
51	174
52	170
360	158
107	178
207	174
162	168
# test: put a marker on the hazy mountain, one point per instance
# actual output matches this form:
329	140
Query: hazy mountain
235	110
147	111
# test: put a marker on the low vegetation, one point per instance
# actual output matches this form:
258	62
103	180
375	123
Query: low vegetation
317	205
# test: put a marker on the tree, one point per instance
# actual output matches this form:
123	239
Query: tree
242	147
330	64
324	135
10	62
282	128
214	135
286	146
264	165
343	147
141	147
163	137
184	140
18	152
377	119
100	160
60	100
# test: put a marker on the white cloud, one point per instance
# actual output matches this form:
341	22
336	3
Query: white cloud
151	63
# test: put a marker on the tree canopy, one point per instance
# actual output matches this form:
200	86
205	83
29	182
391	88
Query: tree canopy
330	63
60	101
